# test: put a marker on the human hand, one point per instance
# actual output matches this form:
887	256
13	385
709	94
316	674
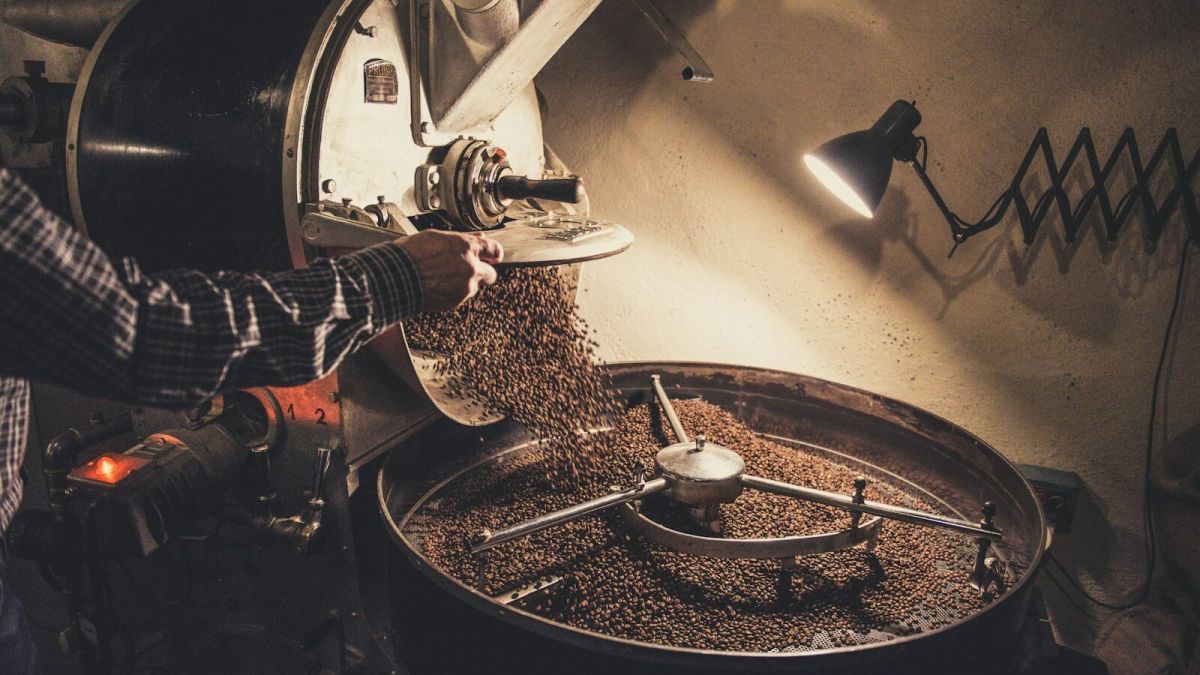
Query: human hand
451	265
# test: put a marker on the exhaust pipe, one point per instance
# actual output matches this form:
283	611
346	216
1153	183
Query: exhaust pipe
68	22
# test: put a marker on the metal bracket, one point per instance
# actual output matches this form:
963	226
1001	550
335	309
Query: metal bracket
695	69
325	230
539	586
778	547
464	95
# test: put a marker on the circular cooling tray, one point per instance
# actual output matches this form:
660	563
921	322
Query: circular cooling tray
911	448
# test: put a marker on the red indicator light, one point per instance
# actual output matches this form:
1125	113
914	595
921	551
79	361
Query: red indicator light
106	466
108	469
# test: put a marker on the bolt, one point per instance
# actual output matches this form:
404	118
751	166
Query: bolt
700	442
334	397
435	202
989	511
195	416
329	186
482	536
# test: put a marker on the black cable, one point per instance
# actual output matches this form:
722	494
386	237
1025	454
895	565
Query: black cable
1148	515
1079	589
992	213
1065	593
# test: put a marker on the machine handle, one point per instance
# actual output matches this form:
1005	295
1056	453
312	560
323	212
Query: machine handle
260	457
568	190
320	468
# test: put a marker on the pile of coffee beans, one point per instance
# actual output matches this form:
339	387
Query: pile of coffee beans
617	583
519	348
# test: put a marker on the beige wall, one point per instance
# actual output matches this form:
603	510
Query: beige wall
1045	352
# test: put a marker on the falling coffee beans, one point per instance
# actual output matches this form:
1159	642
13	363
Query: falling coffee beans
520	349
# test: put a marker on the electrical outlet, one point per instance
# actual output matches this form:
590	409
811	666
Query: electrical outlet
1058	491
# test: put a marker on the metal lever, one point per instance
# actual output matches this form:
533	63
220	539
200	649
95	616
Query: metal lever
260	457
301	529
668	409
568	190
852	504
324	230
696	69
487	539
320	468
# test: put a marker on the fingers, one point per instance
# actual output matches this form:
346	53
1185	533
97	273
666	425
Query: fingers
488	250
491	252
486	273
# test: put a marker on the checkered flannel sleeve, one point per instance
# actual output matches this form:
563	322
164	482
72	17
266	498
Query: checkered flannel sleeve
69	316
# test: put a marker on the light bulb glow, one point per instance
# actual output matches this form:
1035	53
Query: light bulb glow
837	185
106	466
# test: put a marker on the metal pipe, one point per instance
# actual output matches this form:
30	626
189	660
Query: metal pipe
487	540
70	22
668	409
489	22
874	508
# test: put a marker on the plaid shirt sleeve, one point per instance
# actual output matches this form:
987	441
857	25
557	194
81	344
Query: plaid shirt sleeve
69	316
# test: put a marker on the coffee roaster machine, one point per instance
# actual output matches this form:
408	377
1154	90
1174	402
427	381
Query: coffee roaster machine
257	136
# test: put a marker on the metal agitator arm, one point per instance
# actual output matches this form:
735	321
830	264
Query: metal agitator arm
701	476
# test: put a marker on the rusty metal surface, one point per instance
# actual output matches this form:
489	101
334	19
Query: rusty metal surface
928	455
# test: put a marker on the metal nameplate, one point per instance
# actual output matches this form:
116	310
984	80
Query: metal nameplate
380	83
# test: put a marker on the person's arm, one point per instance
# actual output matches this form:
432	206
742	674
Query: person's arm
69	317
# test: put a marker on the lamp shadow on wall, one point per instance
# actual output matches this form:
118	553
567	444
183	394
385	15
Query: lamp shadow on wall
898	223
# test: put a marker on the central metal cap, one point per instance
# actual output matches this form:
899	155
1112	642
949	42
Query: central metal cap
699	473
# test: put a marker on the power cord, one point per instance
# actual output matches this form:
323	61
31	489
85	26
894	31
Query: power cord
1148	517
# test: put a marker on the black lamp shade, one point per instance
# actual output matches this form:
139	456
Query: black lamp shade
856	167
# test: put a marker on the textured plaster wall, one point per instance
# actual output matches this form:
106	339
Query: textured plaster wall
1046	352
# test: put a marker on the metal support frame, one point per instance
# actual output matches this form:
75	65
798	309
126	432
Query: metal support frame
1113	213
464	95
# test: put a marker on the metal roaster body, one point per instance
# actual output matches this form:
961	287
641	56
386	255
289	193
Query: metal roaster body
253	136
